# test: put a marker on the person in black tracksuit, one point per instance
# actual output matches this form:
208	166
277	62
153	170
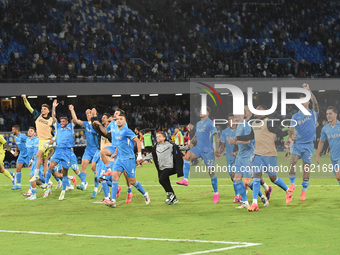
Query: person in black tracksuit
168	161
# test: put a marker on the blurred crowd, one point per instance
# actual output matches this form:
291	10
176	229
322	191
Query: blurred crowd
102	40
157	117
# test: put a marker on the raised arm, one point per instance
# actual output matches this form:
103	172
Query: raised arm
27	104
313	98
74	116
54	106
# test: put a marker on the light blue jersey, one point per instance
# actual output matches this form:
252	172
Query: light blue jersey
228	133
20	141
30	146
244	149
91	136
64	135
332	134
306	126
205	133
123	139
35	147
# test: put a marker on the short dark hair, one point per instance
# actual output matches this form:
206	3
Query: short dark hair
45	105
334	109
107	114
32	128
138	128
16	127
122	115
64	117
121	111
230	115
162	133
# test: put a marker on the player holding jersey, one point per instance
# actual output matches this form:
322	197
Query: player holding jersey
205	133
303	146
21	150
331	132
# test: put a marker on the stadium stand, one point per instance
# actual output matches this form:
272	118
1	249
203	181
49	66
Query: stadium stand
55	41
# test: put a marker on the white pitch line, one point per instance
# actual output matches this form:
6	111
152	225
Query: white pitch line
194	185
236	244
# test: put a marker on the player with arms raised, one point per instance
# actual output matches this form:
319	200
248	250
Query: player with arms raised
303	146
43	124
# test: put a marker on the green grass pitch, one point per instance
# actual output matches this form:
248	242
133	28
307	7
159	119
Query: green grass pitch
308	227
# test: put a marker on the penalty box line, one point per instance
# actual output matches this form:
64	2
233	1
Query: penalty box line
235	244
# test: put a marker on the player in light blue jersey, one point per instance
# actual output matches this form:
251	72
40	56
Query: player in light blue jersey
303	146
92	145
111	151
126	161
230	132
242	161
23	160
331	132
63	150
31	141
205	133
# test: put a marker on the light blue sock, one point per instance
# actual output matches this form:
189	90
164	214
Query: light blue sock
279	182
19	178
82	177
109	183
41	177
48	175
11	172
129	190
57	179
242	190
96	182
292	178
65	180
305	184
139	187
114	189
214	182
235	188
34	191
251	186
186	168
105	188
256	187
339	183
68	183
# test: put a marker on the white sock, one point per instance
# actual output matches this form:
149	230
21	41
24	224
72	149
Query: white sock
265	186
36	172
254	201
95	189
